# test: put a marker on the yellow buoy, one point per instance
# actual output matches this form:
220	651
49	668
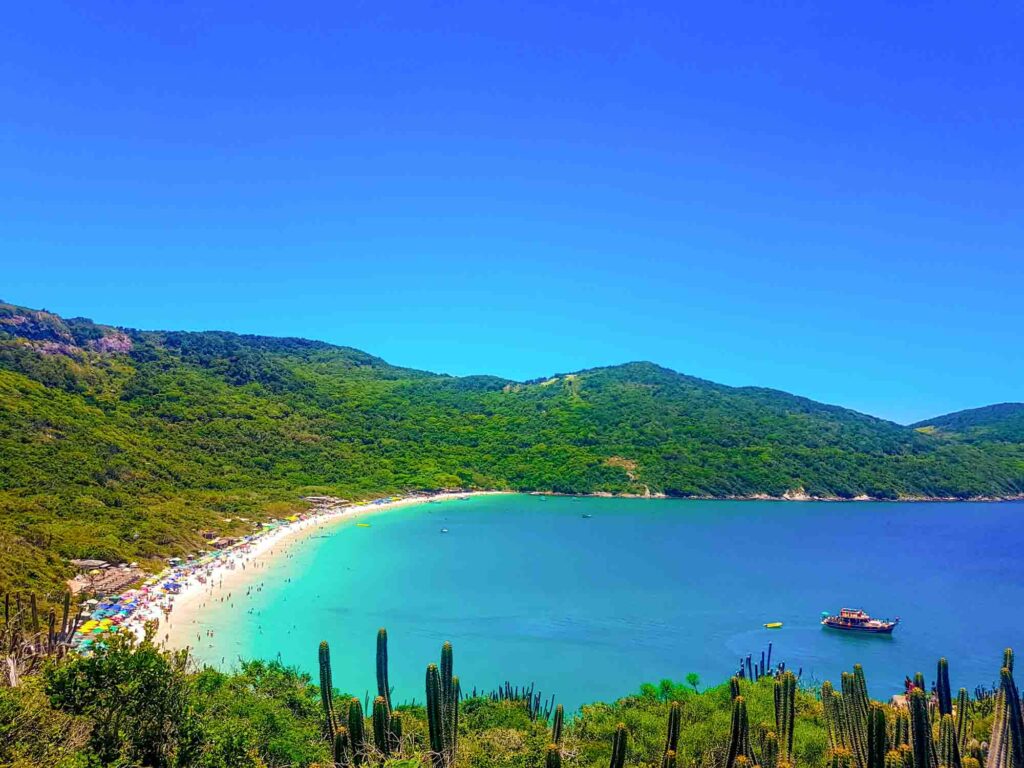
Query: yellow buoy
773	625
362	525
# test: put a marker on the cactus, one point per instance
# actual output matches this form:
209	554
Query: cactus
770	751
920	729
396	732
557	724
1014	716
619	747
919	681
739	735
893	759
382	725
963	721
669	761
835	716
901	728
357	731
855	701
553	756
734	687
949	750
907	754
383	688
435	717
672	737
877	741
942	688
840	757
327	690
341	748
1008	659
449	703
785	713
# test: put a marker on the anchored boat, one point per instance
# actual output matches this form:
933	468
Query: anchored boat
856	620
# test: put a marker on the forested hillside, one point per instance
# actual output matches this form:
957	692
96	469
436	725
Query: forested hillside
123	444
993	423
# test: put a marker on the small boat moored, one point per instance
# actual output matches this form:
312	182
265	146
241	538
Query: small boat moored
856	620
773	625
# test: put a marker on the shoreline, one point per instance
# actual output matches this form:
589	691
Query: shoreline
177	596
172	597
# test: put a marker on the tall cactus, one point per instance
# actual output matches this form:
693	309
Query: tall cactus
963	721
327	690
878	746
835	717
856	703
558	721
383	687
341	747
382	726
1014	716
920	729
396	732
739	734
945	695
893	759
553	756
619	747
357	731
949	750
453	718
901	729
672	736
435	717
734	687
449	703
770	751
785	713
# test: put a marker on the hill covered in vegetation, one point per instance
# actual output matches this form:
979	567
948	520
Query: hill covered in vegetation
122	444
1003	422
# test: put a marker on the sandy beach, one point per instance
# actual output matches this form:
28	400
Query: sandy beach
234	571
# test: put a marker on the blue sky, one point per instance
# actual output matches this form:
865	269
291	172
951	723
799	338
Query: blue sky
826	200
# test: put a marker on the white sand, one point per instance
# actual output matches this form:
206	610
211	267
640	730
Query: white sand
235	568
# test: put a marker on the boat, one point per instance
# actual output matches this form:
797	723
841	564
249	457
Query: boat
586	517
444	530
362	525
773	625
856	620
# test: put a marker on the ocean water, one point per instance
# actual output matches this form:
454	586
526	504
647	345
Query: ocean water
529	590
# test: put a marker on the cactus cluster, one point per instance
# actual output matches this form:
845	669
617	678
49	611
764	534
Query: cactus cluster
929	732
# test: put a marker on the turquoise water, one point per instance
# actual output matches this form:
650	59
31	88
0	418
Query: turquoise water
529	590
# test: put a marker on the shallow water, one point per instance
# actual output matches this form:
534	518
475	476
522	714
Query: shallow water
529	590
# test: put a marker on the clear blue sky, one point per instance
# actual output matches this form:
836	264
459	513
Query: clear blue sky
826	199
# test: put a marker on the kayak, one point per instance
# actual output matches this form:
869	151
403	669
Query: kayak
362	525
773	625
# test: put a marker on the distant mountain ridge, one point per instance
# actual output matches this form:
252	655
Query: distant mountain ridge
122	444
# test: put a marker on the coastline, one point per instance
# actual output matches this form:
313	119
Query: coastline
177	597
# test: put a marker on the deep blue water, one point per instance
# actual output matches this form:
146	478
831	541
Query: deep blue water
528	590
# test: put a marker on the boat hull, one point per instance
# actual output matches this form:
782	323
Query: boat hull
883	630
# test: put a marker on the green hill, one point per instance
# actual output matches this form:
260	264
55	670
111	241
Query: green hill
993	423
124	444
